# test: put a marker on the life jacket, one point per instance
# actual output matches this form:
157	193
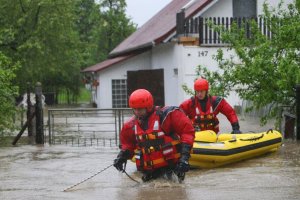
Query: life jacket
155	149
205	120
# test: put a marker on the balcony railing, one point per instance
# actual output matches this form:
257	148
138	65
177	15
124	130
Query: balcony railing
201	27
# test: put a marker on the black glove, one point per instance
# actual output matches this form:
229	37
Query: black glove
121	159
183	163
235	128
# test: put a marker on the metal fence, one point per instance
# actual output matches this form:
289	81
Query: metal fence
86	127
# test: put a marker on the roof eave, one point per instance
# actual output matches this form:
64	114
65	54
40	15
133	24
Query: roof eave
140	48
91	69
151	44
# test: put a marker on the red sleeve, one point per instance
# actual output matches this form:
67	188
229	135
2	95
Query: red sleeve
187	108
228	111
127	136
176	121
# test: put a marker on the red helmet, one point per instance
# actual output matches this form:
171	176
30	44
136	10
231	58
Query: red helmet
201	84
141	98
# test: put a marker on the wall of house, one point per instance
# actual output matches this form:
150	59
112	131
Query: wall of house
272	3
223	8
118	71
191	57
164	57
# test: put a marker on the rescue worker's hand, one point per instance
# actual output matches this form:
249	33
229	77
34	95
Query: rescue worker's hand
182	167
235	128
183	163
118	163
121	159
236	132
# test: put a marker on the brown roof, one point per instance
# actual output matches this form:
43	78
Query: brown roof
158	28
106	63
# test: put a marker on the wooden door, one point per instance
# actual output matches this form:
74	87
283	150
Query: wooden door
151	80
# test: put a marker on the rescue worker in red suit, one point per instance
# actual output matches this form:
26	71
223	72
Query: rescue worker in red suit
203	109
160	138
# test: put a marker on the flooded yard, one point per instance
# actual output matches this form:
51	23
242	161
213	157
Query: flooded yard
43	172
32	172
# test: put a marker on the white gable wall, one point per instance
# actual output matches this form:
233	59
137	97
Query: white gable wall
118	71
185	59
192	57
164	57
272	3
224	8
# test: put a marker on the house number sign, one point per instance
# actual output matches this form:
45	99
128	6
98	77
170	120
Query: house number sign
202	53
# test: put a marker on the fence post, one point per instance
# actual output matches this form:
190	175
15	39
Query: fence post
29	128
116	129
120	126
22	117
298	111
30	111
39	115
180	18
49	127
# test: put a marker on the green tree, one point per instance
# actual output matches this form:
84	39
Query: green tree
116	26
267	69
88	24
8	92
102	25
52	40
43	38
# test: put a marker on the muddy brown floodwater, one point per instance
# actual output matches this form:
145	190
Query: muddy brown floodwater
31	172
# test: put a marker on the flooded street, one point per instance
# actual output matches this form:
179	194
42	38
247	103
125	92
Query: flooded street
30	172
33	172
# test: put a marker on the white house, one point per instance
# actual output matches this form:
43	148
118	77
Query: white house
158	58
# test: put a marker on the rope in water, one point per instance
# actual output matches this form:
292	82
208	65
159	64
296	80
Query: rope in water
128	174
65	190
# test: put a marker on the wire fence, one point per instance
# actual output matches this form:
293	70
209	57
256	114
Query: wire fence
86	127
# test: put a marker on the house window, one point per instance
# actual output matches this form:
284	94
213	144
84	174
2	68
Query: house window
119	93
244	8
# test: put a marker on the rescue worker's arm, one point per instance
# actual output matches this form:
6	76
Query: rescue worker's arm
183	127
229	112
127	138
187	108
127	146
177	122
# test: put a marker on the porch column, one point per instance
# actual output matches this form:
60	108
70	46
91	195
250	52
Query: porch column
180	18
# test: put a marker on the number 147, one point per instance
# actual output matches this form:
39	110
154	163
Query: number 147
202	53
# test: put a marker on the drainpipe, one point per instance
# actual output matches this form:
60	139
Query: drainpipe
298	111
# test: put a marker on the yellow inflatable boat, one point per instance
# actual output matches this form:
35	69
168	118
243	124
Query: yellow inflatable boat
211	150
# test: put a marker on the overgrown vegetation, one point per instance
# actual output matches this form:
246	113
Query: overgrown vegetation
51	41
7	91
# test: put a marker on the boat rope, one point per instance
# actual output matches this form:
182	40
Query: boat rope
128	174
65	190
252	138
